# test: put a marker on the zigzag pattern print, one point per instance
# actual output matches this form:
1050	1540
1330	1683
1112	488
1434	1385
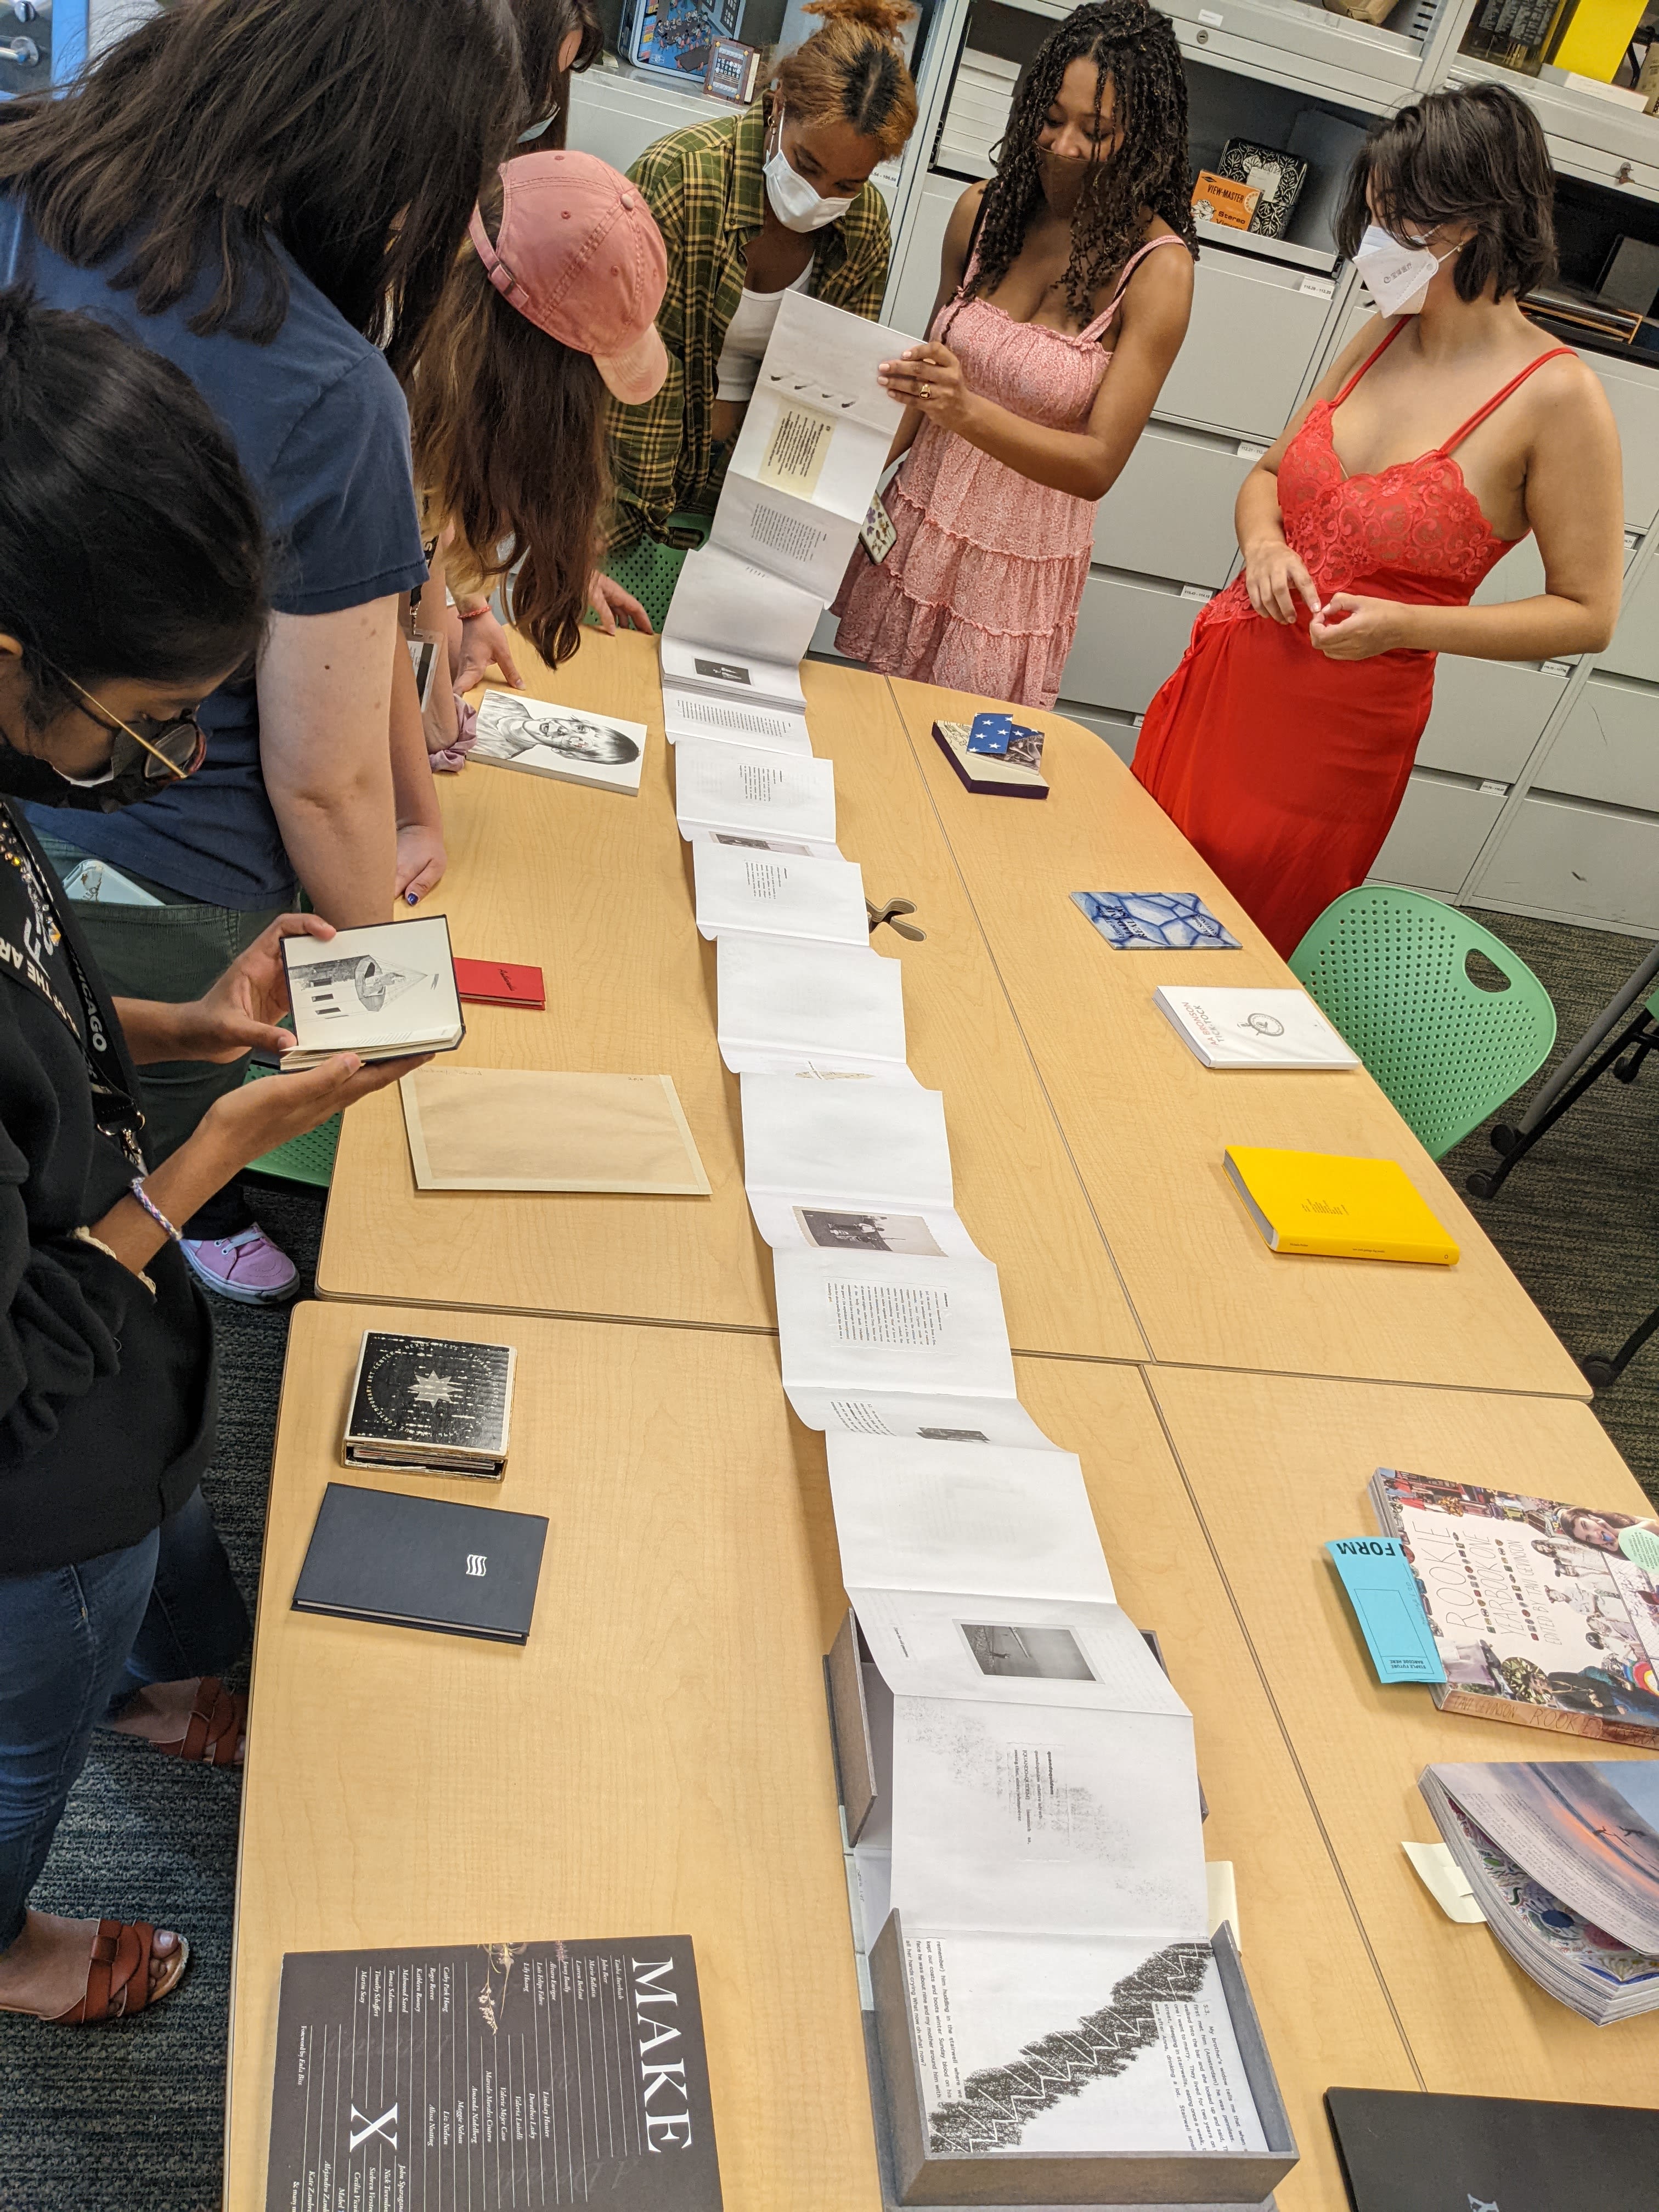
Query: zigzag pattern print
997	2103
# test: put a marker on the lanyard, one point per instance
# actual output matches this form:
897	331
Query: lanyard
117	1112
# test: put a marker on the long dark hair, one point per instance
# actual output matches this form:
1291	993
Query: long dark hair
1134	47
507	429
1478	154
130	542
356	131
543	29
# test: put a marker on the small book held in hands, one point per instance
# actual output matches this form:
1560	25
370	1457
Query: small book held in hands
566	742
385	993
1253	1028
434	1405
1336	1207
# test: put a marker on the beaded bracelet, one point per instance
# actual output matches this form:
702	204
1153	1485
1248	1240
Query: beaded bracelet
471	614
136	1187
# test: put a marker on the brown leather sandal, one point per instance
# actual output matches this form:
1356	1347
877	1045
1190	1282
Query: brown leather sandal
218	1720
118	1977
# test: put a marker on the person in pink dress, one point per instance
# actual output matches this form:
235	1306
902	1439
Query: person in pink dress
1057	320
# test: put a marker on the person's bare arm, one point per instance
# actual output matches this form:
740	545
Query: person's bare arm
420	858
325	683
1275	577
1085	463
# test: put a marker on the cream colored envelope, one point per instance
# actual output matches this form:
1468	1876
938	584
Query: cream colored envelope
504	1129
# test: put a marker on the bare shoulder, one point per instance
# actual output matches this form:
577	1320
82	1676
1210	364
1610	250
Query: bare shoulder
1166	276
963	215
1359	350
1564	400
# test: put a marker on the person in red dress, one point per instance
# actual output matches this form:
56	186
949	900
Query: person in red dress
1449	428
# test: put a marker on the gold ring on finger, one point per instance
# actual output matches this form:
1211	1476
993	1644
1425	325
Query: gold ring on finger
926	391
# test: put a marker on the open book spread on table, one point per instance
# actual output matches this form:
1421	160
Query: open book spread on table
872	1330
527	1128
812	446
384	993
1540	1612
1406	2152
762	799
473	2075
1252	1029
790	1008
714	685
779	893
1337	1208
1039	1825
435	1405
565	741
1563	1857
850	1167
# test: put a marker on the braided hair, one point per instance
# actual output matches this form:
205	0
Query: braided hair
1134	47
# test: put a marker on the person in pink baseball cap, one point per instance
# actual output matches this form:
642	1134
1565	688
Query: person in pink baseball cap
552	304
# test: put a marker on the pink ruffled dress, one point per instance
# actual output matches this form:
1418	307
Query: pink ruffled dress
982	589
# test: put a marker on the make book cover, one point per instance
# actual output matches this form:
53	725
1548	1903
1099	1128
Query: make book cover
1542	1612
474	2077
430	1401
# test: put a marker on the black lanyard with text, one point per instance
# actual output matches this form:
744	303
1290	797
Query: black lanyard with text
46	930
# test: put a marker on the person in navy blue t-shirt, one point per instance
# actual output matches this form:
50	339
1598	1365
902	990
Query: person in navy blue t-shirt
360	135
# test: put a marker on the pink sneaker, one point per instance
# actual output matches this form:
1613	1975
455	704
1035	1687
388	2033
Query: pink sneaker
248	1267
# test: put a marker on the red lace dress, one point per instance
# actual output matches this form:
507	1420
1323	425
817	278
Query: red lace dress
1286	769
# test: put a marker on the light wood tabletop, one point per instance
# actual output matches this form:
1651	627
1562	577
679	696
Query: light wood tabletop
1278	1467
595	889
655	1761
1147	1123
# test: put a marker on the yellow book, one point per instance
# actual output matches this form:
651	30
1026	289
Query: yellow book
1345	1209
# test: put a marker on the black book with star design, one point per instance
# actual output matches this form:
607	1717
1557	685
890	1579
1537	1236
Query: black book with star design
433	1405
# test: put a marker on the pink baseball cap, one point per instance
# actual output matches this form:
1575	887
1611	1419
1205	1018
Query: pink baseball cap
579	254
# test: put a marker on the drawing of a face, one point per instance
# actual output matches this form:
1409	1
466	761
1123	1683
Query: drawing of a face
572	735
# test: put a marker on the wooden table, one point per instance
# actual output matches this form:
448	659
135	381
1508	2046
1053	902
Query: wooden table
595	889
657	1759
1278	1466
1146	1123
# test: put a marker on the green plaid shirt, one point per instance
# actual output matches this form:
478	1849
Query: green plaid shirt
706	187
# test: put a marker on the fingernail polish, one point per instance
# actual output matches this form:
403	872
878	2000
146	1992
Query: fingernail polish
411	898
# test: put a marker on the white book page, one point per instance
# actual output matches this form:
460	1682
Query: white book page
1050	1652
944	1418
853	1322
797	539
728	605
363	990
822	359
763	794
912	1514
735	722
779	895
1045	1822
1254	1029
874	1144
784	1005
1134	2041
734	676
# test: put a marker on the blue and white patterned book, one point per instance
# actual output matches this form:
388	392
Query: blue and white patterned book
1167	921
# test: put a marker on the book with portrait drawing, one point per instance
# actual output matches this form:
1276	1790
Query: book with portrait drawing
385	993
566	742
433	1405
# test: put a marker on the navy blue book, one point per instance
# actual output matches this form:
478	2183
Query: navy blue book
423	1563
1403	2152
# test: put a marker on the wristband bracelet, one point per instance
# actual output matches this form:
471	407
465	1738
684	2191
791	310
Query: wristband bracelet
471	614
136	1187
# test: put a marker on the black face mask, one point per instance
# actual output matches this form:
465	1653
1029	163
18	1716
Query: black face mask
137	774
1065	178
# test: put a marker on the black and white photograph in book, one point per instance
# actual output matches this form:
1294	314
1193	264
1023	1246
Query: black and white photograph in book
867	1232
1049	1654
542	738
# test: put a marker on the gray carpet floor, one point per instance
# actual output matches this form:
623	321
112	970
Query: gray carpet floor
129	2118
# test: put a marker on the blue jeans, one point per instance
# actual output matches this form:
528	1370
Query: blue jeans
75	1643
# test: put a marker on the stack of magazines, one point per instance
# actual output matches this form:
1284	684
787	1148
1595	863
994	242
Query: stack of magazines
1563	1858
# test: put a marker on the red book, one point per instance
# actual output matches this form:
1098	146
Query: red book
499	983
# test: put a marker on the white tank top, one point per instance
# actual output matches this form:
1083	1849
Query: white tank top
747	336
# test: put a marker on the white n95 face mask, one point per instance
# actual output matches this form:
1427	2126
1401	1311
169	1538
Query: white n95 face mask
1395	276
794	203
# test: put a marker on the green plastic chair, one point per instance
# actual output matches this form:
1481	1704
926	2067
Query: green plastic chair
651	570
1390	970
307	1159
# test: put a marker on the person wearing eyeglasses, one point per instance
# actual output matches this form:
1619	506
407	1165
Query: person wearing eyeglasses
132	579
